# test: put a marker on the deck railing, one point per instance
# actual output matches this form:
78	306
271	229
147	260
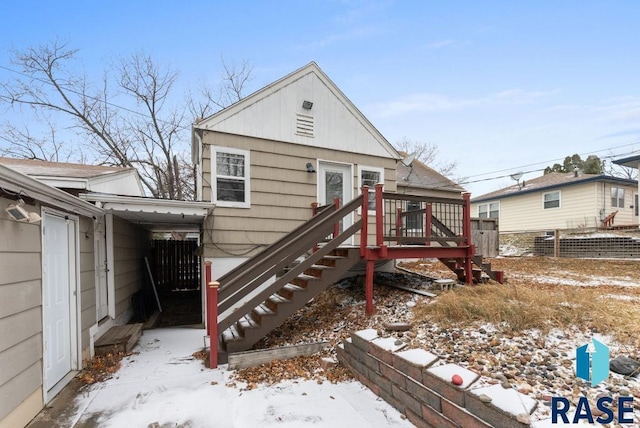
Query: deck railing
418	220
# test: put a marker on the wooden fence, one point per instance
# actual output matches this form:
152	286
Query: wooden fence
177	267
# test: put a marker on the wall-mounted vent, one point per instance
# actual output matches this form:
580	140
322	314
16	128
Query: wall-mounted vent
304	125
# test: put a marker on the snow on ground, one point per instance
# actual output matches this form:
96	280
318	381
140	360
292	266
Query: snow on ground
578	282
163	385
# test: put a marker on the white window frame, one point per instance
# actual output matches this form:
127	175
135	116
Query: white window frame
559	200
488	209
617	198
372	189
247	177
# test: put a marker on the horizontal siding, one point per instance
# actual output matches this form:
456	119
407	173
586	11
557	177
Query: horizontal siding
20	267
131	245
19	357
21	326
19	388
19	297
281	191
581	206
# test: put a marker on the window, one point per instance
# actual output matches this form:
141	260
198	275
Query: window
617	197
551	200
230	186
490	210
370	176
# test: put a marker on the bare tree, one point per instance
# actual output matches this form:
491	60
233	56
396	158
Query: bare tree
151	134
23	143
232	88
427	153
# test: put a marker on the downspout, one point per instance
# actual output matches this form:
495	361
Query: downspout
603	211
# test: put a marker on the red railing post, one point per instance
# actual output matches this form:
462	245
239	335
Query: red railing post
428	213
212	322
336	226
379	216
466	231
364	214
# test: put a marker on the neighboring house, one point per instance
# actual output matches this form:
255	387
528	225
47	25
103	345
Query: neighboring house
76	178
416	178
264	160
561	201
69	276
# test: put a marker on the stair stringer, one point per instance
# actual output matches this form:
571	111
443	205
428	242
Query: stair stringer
250	299
297	301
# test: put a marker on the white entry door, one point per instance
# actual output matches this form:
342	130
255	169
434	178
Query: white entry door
102	293
58	279
335	181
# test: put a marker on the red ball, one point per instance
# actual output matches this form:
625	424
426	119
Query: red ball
456	379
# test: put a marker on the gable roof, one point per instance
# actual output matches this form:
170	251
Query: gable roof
550	181
421	176
250	115
36	167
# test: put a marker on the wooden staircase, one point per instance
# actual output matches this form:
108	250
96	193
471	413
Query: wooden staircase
277	307
482	267
253	301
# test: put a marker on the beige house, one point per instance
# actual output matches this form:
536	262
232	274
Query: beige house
264	160
69	269
561	201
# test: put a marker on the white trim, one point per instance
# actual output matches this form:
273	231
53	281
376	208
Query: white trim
111	289
559	192
372	189
246	179
488	205
320	189
16	182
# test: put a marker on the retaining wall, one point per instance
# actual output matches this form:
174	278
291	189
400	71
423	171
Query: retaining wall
413	383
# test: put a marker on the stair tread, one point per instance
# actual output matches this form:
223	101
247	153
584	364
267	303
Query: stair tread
293	287
262	310
276	298
231	335
307	277
247	322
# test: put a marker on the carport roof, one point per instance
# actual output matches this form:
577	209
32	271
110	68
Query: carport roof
158	215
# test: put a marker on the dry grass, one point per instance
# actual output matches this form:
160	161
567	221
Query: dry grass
526	304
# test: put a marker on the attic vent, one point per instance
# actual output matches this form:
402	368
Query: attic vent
304	125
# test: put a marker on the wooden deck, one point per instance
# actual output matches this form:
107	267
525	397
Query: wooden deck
120	338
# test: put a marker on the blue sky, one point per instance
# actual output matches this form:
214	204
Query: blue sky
499	86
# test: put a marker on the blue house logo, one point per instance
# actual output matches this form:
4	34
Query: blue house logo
592	362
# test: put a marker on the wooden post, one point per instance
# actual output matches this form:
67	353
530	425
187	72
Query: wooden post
399	225
364	214
369	287
428	210
336	226
379	216
314	212
556	243
212	319
466	231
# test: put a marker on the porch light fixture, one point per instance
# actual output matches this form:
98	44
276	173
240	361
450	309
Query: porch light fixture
18	213
307	105
310	167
